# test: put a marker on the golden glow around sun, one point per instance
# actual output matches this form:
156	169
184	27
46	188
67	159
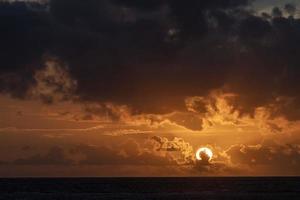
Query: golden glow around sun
204	152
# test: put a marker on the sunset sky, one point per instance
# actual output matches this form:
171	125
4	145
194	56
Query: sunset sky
136	87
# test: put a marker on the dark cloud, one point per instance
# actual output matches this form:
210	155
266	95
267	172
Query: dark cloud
280	157
189	121
276	12
55	156
26	148
147	6
97	155
113	113
216	168
2	163
290	9
151	55
204	158
128	154
24	38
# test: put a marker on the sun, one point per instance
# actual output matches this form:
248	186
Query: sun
204	154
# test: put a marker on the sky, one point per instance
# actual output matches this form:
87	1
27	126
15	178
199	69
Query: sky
135	88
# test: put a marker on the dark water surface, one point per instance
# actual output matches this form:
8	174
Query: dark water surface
151	188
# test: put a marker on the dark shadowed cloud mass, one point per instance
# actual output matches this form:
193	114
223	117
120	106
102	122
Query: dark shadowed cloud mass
151	55
55	156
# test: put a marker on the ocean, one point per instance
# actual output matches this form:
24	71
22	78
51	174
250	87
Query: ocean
209	188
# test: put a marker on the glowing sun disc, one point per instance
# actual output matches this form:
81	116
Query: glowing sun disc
205	150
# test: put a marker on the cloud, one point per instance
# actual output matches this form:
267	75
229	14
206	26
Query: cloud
277	158
186	154
218	168
53	83
55	156
128	153
2	163
290	9
97	155
165	62
113	112
226	109
159	152
276	12
187	120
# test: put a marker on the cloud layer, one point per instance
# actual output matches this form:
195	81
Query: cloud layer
151	56
149	75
